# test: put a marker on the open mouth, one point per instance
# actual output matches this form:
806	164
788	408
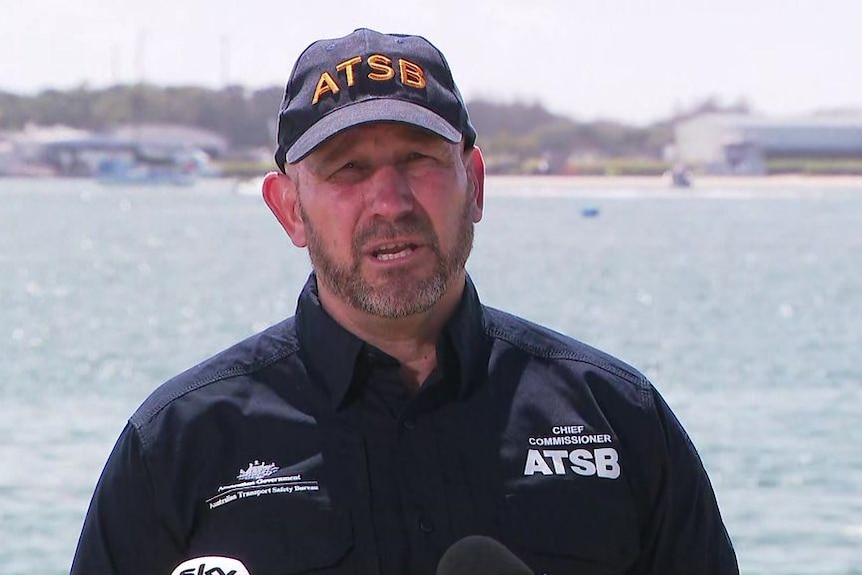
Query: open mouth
392	252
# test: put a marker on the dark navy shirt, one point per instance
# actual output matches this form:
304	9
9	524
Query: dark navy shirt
300	450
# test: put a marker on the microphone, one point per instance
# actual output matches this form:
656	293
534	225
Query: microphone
480	555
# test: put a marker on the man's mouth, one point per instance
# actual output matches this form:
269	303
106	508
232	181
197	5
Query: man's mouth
392	252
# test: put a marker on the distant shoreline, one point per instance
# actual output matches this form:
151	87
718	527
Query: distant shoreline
549	185
698	182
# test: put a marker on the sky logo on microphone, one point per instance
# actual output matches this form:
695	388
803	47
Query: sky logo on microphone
210	566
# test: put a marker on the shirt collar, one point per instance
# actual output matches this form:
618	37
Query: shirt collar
467	339
331	352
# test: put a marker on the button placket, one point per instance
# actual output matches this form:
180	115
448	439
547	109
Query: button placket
426	525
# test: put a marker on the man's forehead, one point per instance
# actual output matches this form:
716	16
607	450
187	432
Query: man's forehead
358	136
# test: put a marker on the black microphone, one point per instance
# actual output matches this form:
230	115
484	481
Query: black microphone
480	555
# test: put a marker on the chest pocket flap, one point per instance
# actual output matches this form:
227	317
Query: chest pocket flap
279	535
583	527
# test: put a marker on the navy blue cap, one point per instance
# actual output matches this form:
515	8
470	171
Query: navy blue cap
368	77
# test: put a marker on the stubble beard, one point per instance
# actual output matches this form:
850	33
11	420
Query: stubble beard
400	294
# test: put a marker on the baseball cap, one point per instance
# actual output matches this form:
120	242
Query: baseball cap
365	77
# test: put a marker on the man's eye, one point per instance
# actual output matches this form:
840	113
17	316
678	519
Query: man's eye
348	172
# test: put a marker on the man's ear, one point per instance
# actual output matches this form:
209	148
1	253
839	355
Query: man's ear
475	165
282	196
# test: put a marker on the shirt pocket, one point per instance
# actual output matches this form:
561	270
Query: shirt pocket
287	534
573	527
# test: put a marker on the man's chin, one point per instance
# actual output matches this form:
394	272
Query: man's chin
399	282
401	298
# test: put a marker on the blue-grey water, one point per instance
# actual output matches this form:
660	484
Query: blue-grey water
744	306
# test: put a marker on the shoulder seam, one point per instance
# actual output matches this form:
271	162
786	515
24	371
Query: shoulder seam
548	353
197	384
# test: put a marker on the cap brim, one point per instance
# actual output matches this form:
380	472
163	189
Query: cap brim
367	111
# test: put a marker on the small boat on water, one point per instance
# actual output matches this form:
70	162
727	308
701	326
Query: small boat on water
680	177
154	167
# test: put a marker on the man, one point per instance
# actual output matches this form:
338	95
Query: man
394	415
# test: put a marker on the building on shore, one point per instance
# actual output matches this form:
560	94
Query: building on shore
70	152
753	144
23	153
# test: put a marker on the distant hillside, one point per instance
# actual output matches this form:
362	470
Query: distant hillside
515	134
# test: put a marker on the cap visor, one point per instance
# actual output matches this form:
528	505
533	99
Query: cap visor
364	112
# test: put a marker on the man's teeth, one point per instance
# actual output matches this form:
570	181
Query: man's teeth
386	254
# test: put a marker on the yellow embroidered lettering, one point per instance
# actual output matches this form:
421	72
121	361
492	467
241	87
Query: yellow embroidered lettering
382	67
411	74
348	66
324	85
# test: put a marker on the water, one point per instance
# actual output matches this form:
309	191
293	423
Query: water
742	305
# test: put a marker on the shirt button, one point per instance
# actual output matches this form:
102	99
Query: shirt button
426	525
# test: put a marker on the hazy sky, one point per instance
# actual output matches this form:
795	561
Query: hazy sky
633	60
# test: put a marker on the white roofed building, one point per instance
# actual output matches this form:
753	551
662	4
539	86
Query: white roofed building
744	144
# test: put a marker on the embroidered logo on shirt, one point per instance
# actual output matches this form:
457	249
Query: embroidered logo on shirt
212	565
587	460
261	479
257	470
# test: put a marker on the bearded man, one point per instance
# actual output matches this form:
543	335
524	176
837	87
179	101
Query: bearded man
395	415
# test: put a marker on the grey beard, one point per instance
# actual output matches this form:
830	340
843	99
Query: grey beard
403	296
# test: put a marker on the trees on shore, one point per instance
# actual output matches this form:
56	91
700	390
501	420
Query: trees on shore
517	137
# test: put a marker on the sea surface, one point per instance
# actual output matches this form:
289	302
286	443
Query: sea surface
743	306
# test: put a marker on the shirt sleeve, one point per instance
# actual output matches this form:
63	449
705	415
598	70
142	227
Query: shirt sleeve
123	533
684	533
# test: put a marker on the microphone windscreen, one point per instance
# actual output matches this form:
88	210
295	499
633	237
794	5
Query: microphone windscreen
480	555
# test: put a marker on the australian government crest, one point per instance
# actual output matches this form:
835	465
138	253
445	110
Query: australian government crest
257	470
260	479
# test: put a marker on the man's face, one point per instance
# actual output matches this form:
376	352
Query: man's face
388	215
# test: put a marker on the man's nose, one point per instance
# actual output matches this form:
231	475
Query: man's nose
390	195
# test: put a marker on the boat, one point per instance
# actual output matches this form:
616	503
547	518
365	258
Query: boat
153	167
680	177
